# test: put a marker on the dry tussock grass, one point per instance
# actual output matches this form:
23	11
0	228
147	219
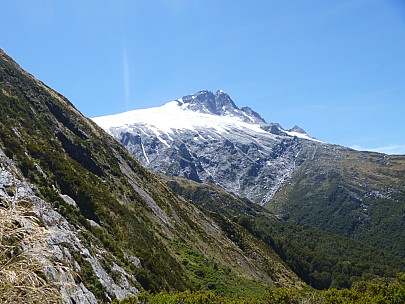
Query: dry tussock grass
22	248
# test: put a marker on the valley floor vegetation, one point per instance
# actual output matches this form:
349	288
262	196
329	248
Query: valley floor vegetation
377	291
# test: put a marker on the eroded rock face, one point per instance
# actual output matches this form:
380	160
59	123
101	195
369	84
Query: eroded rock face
57	257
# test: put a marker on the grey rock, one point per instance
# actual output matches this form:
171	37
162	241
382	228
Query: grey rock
134	260
297	129
68	200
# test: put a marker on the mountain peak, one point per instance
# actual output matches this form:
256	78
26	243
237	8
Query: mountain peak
207	102
256	115
297	129
224	101
220	104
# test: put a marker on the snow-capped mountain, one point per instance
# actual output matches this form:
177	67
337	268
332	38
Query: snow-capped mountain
207	138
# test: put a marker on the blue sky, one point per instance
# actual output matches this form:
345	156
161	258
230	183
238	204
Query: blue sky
334	67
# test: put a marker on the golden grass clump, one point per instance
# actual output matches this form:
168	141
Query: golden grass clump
22	248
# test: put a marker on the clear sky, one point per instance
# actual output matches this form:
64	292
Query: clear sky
336	68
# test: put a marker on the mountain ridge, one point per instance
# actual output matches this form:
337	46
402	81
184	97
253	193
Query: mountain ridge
204	102
185	138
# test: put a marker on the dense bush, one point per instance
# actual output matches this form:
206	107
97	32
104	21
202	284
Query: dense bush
378	291
321	259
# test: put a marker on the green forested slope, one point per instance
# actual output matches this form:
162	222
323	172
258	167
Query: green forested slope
360	195
320	258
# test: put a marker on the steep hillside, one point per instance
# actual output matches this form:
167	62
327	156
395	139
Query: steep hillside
114	225
320	258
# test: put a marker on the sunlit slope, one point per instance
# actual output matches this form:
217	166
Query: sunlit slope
352	193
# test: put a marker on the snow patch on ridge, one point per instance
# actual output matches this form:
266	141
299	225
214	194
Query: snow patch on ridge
301	135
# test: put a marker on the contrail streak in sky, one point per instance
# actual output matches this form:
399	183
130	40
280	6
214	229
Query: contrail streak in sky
125	65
